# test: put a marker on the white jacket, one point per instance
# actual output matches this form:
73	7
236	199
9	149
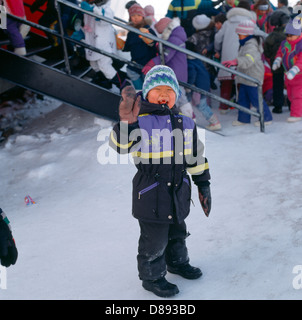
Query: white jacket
99	34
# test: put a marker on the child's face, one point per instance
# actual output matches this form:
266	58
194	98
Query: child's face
162	95
291	37
218	25
136	19
242	36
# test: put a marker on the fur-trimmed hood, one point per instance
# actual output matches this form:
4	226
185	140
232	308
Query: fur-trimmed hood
175	23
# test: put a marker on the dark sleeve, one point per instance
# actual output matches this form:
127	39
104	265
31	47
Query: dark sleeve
124	137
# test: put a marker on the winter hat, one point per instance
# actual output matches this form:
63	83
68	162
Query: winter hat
246	28
162	24
149	10
160	76
279	18
136	9
201	22
293	27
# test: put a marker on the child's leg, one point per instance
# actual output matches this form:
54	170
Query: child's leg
253	96
294	94
176	250
204	108
226	92
14	34
151	250
243	100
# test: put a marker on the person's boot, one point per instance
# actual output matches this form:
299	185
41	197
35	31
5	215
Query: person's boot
161	287
277	110
214	123
186	271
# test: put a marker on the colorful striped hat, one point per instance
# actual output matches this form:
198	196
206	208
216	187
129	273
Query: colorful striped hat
246	27
160	75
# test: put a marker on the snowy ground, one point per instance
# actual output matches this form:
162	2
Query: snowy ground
79	241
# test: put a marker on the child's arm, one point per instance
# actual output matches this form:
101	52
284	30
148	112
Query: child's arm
123	136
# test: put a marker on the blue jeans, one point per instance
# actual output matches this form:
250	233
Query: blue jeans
204	108
248	95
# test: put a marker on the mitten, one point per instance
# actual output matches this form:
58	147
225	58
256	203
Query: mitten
205	199
130	105
230	63
8	250
148	67
146	40
291	73
120	43
276	64
86	6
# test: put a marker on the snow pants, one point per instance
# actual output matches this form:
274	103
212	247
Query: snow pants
14	34
160	245
294	94
248	96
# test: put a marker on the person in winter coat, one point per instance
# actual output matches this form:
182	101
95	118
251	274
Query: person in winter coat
171	31
165	146
201	42
226	42
14	27
185	10
250	63
8	250
101	35
290	56
141	48
263	9
278	19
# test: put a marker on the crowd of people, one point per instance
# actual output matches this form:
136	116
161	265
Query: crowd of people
266	47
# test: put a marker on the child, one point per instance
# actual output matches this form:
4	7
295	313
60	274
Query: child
171	31
203	41
141	49
101	35
198	75
249	62
8	250
13	30
290	55
165	146
279	20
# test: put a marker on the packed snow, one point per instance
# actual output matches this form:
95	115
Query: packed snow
79	240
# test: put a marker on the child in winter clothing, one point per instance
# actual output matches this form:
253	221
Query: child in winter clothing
198	75
141	49
278	19
171	31
290	55
13	30
161	186
8	250
101	35
203	42
249	62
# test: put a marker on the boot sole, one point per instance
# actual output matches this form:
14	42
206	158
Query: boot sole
161	294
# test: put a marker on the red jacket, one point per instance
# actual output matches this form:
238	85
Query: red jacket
15	7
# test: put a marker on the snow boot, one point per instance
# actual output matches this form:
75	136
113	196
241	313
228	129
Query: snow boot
214	123
277	110
186	271
161	287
